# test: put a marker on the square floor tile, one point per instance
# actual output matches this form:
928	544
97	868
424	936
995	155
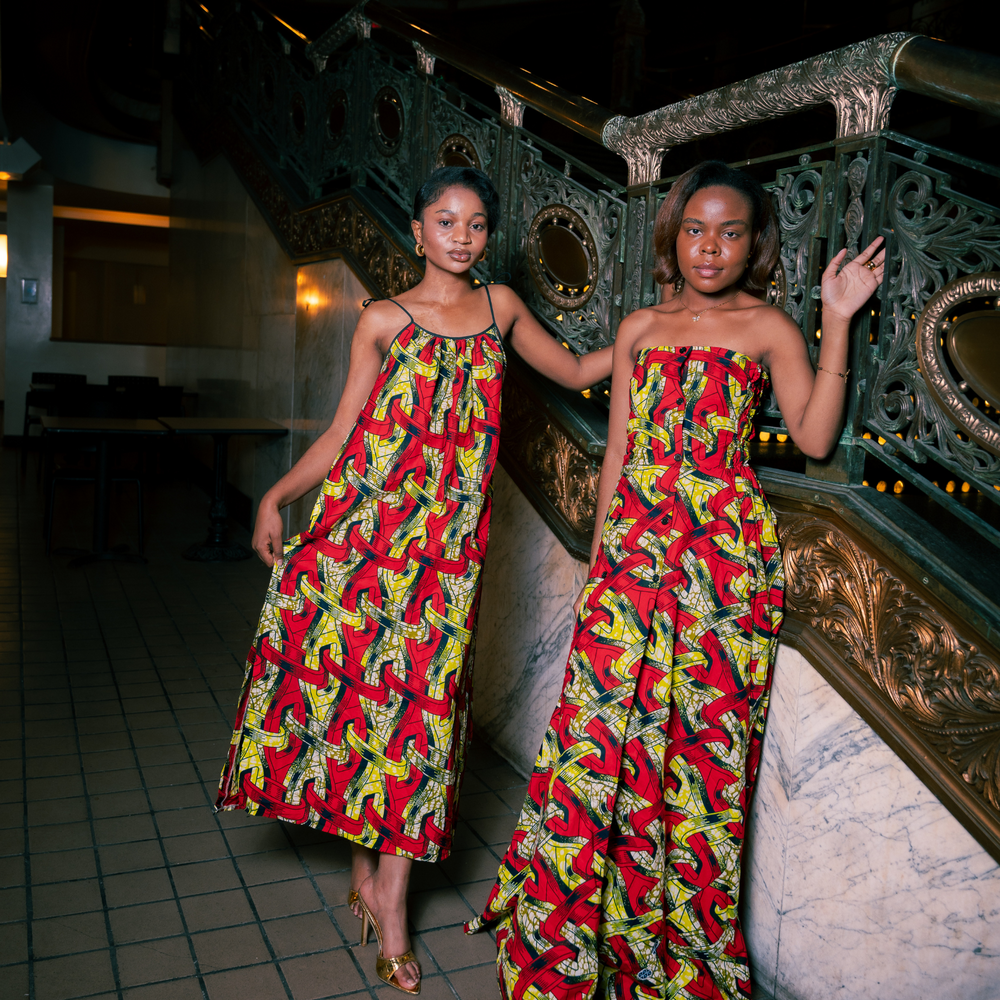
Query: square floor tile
302	934
479	982
123	780
274	866
204	876
482	804
38	767
282	899
454	950
63	866
321	975
13	945
230	948
67	897
196	847
217	909
157	775
118	804
141	854
178	797
176	822
174	989
258	838
74	976
471	866
261	982
64	811
13	904
137	887
145	921
124	829
438	908
69	934
152	961
495	829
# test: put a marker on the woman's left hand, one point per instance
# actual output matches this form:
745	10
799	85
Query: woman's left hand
847	288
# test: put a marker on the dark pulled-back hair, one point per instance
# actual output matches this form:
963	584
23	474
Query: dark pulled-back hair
764	226
467	177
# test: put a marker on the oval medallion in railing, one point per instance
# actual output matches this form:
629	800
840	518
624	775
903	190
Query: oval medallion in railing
958	346
336	115
387	117
562	256
297	115
457	151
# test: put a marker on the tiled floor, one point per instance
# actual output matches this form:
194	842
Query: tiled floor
118	686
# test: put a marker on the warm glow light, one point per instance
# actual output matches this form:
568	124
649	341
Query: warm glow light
105	215
3	255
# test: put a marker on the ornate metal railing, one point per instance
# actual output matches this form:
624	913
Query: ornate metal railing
891	546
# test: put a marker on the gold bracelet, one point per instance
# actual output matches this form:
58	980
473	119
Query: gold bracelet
842	375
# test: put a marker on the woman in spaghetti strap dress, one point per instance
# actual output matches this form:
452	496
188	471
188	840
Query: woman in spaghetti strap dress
354	711
622	879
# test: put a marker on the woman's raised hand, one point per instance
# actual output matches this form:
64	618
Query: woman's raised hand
847	288
268	534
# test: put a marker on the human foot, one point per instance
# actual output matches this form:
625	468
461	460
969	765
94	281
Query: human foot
386	909
364	862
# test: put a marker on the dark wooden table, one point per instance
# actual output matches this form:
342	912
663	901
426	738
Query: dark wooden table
216	547
102	430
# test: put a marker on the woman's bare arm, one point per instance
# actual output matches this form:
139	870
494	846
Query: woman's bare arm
614	452
374	327
541	350
812	405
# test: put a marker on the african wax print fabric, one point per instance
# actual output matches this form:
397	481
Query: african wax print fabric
355	707
622	879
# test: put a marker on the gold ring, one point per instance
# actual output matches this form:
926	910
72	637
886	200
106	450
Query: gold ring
871	265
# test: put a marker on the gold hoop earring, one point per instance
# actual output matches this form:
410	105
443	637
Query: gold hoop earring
482	257
420	249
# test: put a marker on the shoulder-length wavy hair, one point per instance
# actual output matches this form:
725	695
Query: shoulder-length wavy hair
764	227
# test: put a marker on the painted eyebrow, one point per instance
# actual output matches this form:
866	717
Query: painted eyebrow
728	222
448	211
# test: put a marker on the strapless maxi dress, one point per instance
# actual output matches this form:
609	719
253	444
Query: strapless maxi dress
623	876
355	706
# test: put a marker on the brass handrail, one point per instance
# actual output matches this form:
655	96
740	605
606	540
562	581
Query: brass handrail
578	113
860	81
960	76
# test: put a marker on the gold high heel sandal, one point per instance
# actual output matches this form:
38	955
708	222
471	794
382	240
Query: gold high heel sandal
385	968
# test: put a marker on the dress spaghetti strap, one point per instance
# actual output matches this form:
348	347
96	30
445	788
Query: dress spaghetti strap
490	300
395	303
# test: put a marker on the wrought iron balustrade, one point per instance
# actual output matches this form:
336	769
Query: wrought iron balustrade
896	536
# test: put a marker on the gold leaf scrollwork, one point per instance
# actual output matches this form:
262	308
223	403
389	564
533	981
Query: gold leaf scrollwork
939	681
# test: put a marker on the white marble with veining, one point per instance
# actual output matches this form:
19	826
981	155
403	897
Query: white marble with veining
858	882
525	626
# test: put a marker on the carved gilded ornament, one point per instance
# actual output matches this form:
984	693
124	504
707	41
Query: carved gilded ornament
933	343
511	108
939	680
856	80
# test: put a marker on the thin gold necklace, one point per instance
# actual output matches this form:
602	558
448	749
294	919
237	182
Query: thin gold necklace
695	316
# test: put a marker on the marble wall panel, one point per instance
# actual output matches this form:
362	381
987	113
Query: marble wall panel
328	304
858	882
525	626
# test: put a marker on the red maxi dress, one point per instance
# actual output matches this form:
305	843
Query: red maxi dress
355	706
622	879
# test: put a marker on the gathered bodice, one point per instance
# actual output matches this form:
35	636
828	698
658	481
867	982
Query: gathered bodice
693	406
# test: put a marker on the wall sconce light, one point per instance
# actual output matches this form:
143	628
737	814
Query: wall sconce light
3	255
